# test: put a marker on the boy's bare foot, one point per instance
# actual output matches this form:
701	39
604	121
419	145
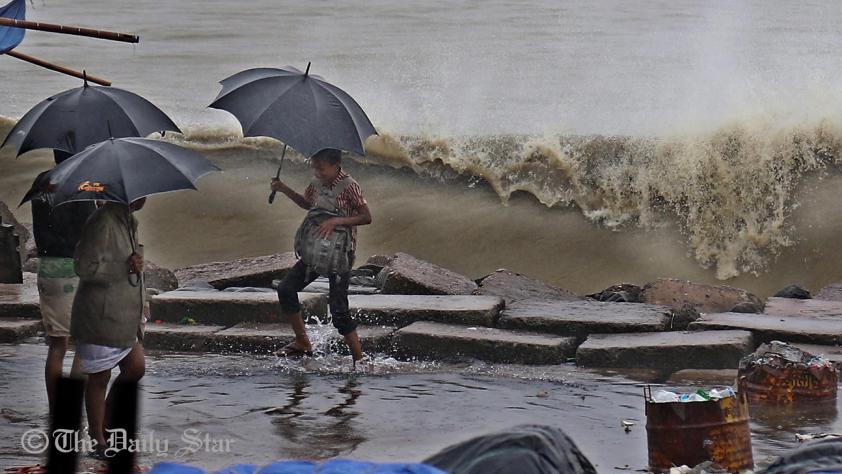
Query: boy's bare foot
362	362
293	351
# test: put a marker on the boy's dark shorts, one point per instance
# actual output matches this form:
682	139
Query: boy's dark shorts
298	278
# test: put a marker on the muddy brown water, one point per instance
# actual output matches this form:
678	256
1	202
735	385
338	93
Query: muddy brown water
397	411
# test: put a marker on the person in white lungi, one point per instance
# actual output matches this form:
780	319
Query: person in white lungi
108	310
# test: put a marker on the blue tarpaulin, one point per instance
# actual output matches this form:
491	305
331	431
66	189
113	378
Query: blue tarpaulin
10	37
336	466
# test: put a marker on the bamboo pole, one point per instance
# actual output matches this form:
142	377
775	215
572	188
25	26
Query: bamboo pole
69	30
57	68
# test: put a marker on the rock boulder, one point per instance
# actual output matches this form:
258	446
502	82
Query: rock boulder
513	286
159	278
251	271
622	293
406	275
832	292
705	298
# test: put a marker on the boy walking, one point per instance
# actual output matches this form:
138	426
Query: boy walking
334	191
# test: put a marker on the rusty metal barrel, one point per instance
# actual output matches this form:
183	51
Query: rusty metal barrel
690	433
788	385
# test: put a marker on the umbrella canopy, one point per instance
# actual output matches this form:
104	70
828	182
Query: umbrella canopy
39	187
127	169
11	37
78	118
299	109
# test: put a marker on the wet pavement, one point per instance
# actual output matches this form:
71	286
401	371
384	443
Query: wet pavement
264	410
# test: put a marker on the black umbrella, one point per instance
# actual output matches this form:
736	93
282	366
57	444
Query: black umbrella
125	170
301	110
77	118
39	188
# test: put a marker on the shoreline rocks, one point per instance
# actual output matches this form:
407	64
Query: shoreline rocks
581	318
426	339
513	286
621	293
229	308
245	272
666	350
159	278
832	292
705	298
22	231
407	275
507	317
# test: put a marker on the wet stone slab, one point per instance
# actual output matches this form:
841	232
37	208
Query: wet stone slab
831	353
255	338
402	310
179	337
20	300
245	272
580	318
15	330
252	337
832	292
322	285
374	339
425	339
407	275
228	309
704	377
666	350
512	286
810	308
767	328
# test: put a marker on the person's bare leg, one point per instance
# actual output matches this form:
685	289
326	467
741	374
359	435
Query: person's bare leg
76	368
302	341
95	404
353	341
54	367
132	369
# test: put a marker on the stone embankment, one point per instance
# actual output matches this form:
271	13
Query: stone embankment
416	309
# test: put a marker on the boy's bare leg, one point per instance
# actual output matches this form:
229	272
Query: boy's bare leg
95	404
54	367
353	340
302	341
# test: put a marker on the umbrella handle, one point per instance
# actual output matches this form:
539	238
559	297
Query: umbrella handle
278	175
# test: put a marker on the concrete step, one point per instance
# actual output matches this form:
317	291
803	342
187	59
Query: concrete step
402	310
245	272
425	339
580	318
666	350
831	353
813	308
703	377
229	308
767	328
268	338
252	338
15	329
20	301
179	337
322	285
